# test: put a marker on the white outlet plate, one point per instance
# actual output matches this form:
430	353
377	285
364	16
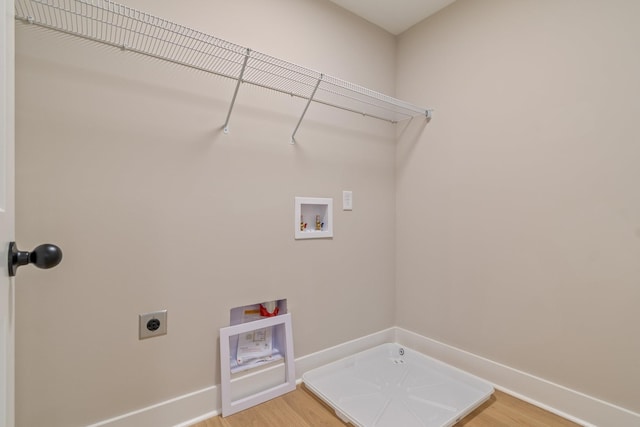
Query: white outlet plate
144	319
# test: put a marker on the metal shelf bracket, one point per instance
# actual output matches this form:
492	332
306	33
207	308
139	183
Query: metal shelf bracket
225	127
315	89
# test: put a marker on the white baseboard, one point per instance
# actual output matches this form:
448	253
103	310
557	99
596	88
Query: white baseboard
192	408
588	411
195	406
570	404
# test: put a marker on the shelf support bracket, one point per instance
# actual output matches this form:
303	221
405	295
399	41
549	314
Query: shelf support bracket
293	135
225	128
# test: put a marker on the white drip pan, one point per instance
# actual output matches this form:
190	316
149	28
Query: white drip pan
391	386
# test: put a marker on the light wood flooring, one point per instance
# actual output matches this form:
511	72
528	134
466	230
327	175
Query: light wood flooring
301	408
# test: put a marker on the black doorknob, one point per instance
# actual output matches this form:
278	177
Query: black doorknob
44	256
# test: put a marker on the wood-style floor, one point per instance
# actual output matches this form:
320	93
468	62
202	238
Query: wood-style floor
301	409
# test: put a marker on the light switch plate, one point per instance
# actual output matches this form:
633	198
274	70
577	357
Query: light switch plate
347	200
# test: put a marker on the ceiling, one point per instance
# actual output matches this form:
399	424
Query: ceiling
395	16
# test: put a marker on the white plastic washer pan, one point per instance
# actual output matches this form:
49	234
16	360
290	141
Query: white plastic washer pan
391	385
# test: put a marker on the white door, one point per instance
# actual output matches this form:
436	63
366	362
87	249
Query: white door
7	223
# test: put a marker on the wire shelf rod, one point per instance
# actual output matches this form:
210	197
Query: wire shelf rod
332	105
375	96
373	104
137	51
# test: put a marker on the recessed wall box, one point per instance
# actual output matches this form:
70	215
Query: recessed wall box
313	218
250	328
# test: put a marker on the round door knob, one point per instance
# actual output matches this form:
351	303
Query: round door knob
44	256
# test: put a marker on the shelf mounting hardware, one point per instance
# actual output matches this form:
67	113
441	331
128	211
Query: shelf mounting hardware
225	128
315	89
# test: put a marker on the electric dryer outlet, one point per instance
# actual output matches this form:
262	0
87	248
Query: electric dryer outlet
153	324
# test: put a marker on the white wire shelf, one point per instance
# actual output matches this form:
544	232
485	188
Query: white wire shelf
120	26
